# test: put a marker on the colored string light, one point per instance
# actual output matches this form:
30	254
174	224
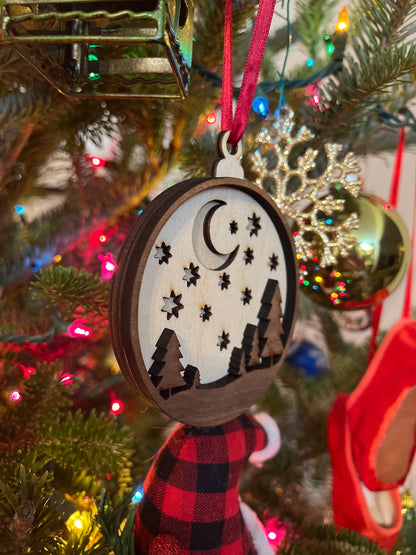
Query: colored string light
261	106
211	118
15	395
138	494
342	24
97	162
108	265
78	329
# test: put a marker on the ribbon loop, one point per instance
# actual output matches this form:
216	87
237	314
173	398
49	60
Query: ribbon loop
261	30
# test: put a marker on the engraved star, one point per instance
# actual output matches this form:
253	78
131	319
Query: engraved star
253	225
233	227
248	256
273	262
205	313
223	340
246	296
163	253
191	275
224	281
172	305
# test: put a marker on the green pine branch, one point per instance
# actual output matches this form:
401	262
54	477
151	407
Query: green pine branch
312	22
376	61
29	521
316	540
115	518
68	289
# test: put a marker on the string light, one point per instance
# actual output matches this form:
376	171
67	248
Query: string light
108	265
78	522
275	531
116	406
19	209
261	106
211	118
138	494
67	379
15	395
77	329
97	162
342	24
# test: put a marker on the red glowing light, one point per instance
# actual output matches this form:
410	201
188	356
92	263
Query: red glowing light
26	370
212	118
387	206
116	407
67	379
315	99
275	531
77	329
103	238
108	265
15	395
97	162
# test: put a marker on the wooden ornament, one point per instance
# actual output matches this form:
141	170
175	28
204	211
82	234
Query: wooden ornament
203	302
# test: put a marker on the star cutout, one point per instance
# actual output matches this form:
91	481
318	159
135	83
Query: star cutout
253	224
163	253
205	313
233	227
223	340
172	305
191	275
246	296
248	256
273	262
224	281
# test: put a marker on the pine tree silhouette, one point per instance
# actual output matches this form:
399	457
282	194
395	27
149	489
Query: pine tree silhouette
192	376
273	344
256	350
166	369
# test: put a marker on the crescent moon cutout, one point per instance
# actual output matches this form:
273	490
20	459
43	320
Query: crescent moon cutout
203	246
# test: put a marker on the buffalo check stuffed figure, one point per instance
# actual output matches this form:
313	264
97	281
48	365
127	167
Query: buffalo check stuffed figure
191	502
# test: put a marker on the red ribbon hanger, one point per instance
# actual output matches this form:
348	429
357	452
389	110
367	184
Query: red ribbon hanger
261	30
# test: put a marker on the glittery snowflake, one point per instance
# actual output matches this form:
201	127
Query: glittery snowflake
308	199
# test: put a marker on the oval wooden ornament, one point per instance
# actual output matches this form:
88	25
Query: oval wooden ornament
204	298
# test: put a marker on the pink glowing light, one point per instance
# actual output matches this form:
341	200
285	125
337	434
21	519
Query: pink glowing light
15	395
275	531
78	329
67	379
108	265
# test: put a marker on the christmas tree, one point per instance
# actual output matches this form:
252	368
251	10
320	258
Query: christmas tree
76	173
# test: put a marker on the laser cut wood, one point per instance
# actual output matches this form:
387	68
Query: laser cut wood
183	371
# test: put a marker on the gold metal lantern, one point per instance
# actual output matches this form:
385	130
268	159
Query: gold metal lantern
113	49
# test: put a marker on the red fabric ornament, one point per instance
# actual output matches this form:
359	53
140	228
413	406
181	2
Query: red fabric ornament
191	491
371	437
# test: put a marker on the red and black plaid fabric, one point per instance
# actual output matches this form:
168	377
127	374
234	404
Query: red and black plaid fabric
191	491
